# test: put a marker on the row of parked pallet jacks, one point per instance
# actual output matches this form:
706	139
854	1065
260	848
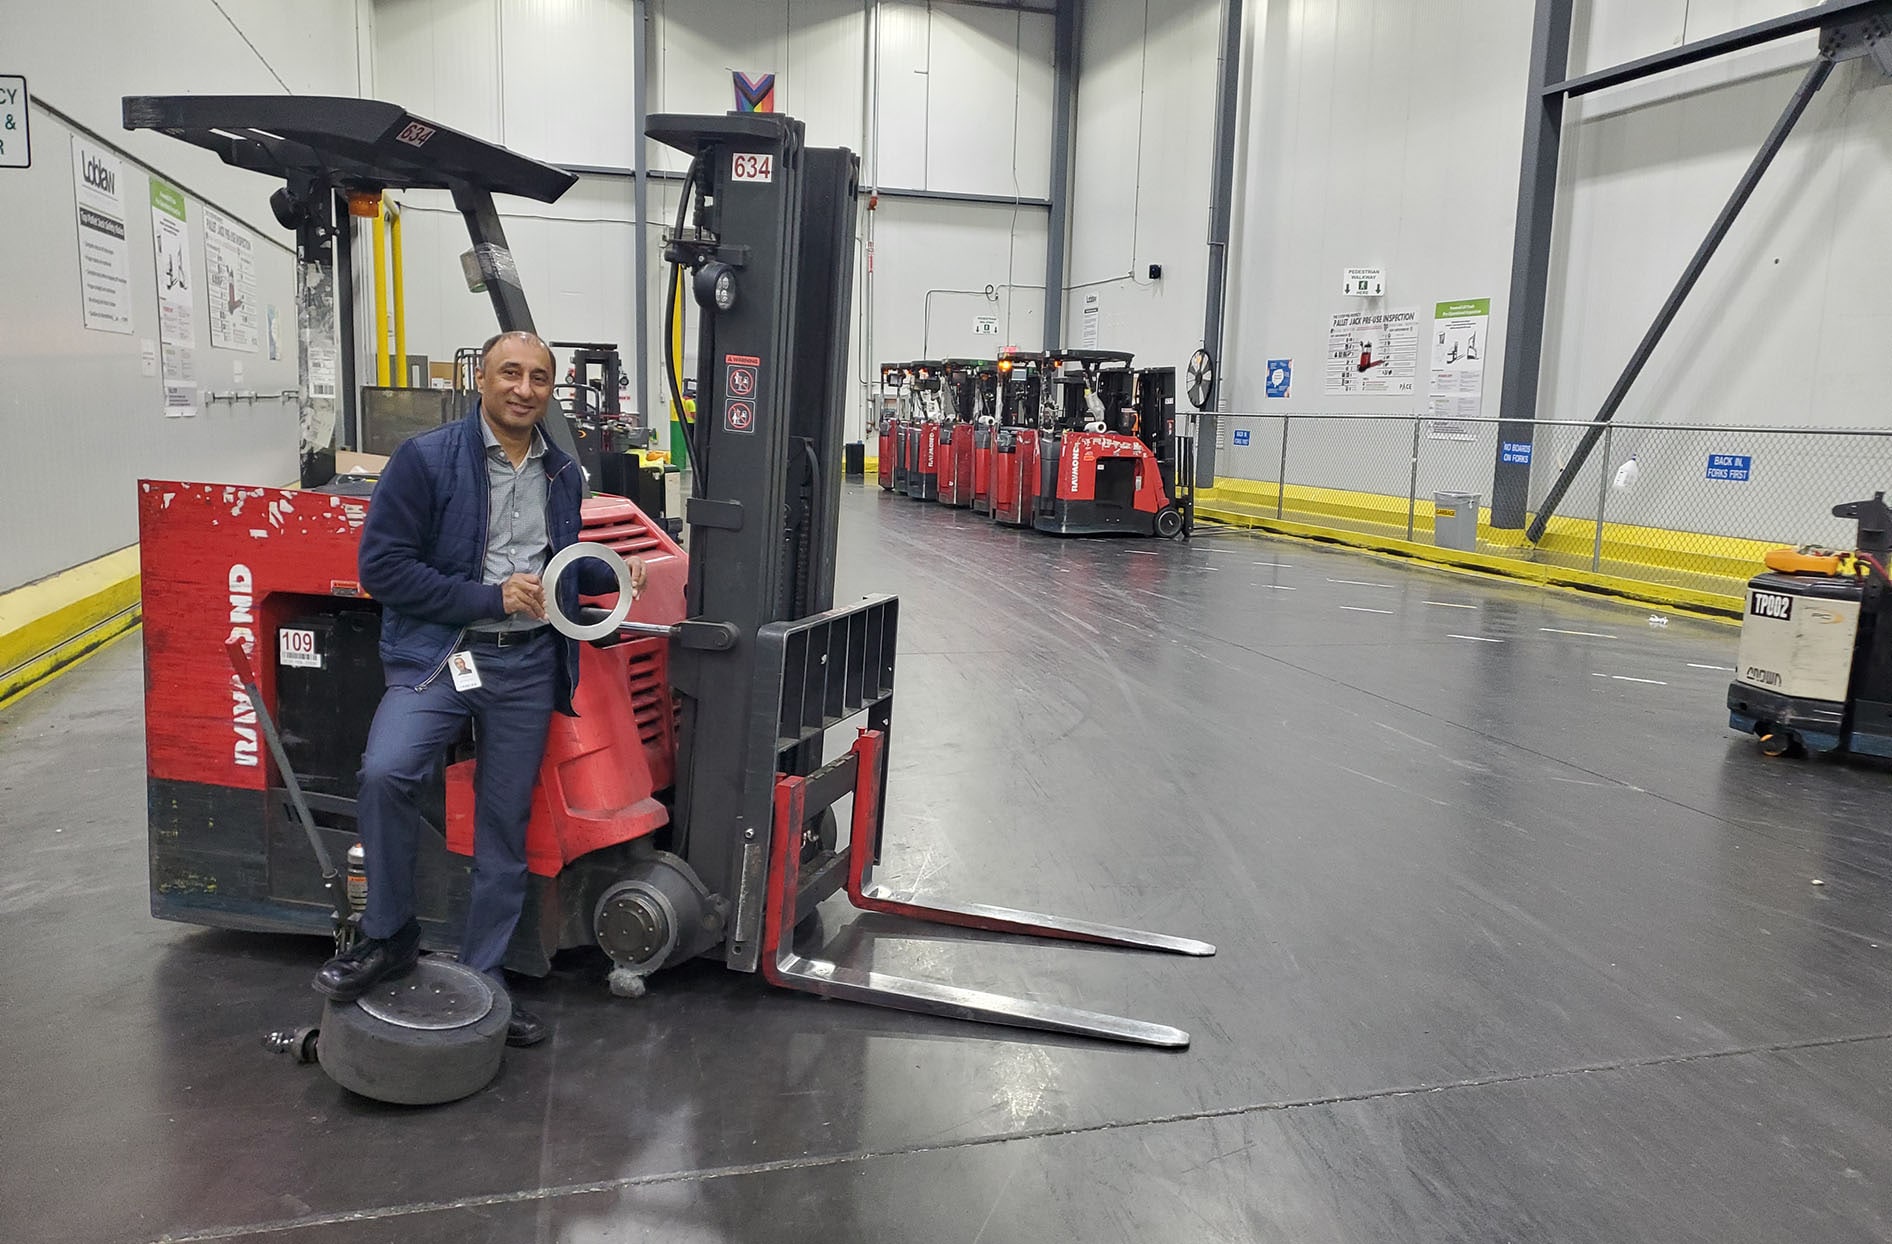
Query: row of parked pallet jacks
1069	442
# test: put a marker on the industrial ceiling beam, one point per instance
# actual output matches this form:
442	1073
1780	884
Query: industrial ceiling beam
1819	16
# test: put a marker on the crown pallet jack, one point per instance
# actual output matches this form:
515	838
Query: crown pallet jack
688	810
1814	670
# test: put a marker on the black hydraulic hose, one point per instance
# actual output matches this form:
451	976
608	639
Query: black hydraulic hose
672	365
805	537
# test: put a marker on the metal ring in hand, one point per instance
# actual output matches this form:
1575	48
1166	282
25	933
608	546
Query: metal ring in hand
558	565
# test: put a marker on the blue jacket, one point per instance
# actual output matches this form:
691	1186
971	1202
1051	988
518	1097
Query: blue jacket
423	552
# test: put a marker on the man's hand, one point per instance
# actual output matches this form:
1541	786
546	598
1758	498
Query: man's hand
523	593
638	574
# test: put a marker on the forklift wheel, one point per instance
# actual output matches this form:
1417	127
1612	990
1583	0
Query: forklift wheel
1169	522
436	1035
1782	743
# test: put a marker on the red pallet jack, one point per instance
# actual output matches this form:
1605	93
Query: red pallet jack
925	377
688	811
889	468
971	390
1016	392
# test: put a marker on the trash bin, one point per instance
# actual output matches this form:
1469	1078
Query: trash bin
854	459
1455	520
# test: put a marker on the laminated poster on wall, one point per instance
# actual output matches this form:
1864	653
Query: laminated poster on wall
1458	368
177	330
1373	353
230	265
98	180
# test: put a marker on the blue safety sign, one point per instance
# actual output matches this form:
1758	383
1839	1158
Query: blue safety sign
1241	436
1518	452
1280	374
1736	467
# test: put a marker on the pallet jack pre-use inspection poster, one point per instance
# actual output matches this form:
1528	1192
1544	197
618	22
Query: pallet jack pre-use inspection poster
1374	353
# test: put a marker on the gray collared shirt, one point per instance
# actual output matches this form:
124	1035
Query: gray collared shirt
516	538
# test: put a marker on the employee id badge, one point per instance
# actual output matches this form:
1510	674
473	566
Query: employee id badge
466	675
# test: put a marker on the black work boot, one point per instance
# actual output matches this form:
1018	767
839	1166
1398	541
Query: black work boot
525	1028
357	970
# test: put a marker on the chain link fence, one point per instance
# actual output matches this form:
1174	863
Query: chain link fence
1681	505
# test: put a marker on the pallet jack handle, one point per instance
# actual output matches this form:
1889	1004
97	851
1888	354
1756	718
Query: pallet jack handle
246	674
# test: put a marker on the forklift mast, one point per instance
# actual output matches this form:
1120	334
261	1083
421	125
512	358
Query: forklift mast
964	386
1019	382
771	367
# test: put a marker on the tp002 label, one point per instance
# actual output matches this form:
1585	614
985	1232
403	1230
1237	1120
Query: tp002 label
1777	605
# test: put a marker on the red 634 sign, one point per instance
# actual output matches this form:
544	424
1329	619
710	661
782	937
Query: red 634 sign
752	167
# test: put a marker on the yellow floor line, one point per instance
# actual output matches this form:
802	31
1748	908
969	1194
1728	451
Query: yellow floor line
1698	604
49	625
13	691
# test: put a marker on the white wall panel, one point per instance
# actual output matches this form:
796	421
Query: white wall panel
815	49
566	80
902	121
1777	329
823	79
989	78
576	263
1378	134
83	56
934	261
440	58
964	106
1140	190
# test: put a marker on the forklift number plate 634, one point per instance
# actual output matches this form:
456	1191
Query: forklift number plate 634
744	167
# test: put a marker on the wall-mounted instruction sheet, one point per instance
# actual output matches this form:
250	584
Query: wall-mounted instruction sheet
177	331
104	250
1458	367
230	263
1373	352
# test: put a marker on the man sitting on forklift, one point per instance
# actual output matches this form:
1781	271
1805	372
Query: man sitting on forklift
463	521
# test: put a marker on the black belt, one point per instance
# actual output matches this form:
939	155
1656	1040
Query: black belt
505	639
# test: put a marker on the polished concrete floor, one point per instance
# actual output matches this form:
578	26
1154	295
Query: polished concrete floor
1518	942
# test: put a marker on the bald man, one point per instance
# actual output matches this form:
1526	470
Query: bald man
462	523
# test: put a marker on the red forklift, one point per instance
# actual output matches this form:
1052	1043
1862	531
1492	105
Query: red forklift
1111	459
1016	390
893	377
925	380
727	771
970	390
1015	446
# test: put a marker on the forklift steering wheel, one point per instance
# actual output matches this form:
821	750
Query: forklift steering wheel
557	566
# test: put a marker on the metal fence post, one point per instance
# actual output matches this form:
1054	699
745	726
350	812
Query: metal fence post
1412	485
1602	496
1281	480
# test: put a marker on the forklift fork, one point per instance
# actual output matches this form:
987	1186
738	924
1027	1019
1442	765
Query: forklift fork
862	772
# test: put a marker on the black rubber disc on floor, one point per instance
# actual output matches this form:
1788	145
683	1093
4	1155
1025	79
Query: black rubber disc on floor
435	1035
